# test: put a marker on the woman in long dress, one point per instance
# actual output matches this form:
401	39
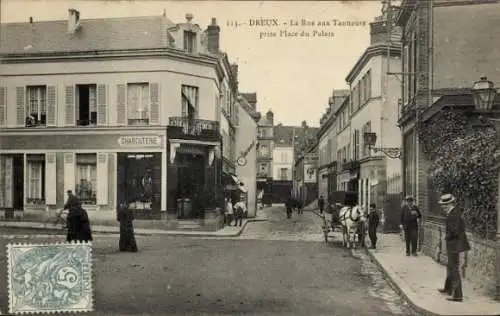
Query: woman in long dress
127	238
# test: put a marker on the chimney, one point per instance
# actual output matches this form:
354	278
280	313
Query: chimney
234	70
270	117
73	20
189	17
213	31
304	124
31	20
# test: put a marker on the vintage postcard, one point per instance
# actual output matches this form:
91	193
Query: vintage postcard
250	157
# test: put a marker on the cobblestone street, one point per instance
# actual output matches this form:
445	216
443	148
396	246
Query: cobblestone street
278	267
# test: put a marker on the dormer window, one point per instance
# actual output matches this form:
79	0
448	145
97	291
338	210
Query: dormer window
189	41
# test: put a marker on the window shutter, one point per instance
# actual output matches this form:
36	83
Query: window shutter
51	106
3	106
102	179
69	172
50	178
69	119
121	106
9	181
154	95
20	108
102	102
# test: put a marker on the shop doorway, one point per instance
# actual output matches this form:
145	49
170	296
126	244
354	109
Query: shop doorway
191	175
139	183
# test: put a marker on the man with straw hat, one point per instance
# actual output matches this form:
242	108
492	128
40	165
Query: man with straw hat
410	215
456	243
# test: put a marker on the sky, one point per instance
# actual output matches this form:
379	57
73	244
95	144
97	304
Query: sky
292	75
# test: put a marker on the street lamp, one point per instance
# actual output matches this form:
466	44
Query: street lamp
370	139
483	94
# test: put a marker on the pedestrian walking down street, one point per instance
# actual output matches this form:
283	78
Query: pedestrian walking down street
127	237
321	204
229	211
373	221
410	217
77	221
456	243
239	210
300	206
289	205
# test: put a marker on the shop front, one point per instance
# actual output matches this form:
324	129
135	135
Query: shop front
101	168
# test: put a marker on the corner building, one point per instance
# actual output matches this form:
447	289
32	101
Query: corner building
109	108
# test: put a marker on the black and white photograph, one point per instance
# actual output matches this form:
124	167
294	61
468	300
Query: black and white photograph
233	157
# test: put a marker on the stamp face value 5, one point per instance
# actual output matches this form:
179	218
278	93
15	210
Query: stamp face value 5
50	278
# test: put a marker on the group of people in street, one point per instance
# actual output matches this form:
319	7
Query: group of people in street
236	212
79	229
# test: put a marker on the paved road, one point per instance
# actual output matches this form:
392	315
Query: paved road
279	267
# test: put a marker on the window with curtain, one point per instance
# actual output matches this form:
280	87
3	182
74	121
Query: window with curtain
35	165
86	178
138	103
36	105
190	101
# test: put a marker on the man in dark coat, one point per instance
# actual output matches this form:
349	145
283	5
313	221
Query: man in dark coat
456	243
127	238
78	221
321	204
410	216
373	221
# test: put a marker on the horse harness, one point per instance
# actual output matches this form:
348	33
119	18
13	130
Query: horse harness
350	216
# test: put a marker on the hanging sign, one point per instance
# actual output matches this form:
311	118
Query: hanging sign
241	160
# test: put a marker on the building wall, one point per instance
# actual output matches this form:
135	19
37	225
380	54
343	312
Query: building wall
282	158
169	74
469	43
343	139
246	135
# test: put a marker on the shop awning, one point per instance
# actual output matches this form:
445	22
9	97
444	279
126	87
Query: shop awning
232	182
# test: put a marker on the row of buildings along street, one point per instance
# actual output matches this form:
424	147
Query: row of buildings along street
422	78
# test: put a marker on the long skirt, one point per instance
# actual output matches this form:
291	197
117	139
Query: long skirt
127	238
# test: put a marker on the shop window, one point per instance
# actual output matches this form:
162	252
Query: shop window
35	193
138	103
86	178
36	107
86	105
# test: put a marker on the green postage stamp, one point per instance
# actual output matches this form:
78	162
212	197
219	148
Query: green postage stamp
50	278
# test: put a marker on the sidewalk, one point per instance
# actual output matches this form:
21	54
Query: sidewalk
227	231
418	278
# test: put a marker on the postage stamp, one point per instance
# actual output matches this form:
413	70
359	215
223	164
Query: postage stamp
50	278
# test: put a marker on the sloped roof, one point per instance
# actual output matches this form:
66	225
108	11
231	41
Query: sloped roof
285	133
250	97
249	109
93	35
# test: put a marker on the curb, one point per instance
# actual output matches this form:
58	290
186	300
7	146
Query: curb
399	290
158	233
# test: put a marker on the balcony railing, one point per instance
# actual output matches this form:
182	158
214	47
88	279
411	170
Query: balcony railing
189	128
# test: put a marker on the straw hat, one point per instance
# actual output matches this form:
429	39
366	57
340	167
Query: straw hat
446	199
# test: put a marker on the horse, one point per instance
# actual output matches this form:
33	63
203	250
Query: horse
352	220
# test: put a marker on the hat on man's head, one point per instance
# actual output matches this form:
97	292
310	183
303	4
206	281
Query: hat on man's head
446	199
409	198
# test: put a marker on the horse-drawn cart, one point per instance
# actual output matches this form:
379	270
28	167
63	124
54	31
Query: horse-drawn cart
331	216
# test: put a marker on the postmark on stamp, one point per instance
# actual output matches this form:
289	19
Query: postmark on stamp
49	278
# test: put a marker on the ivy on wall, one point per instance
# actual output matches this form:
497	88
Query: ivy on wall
462	162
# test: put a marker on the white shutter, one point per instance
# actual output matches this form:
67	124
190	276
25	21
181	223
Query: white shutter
69	117
69	172
121	105
8	182
154	95
20	108
50	178
3	106
102	179
51	106
102	105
